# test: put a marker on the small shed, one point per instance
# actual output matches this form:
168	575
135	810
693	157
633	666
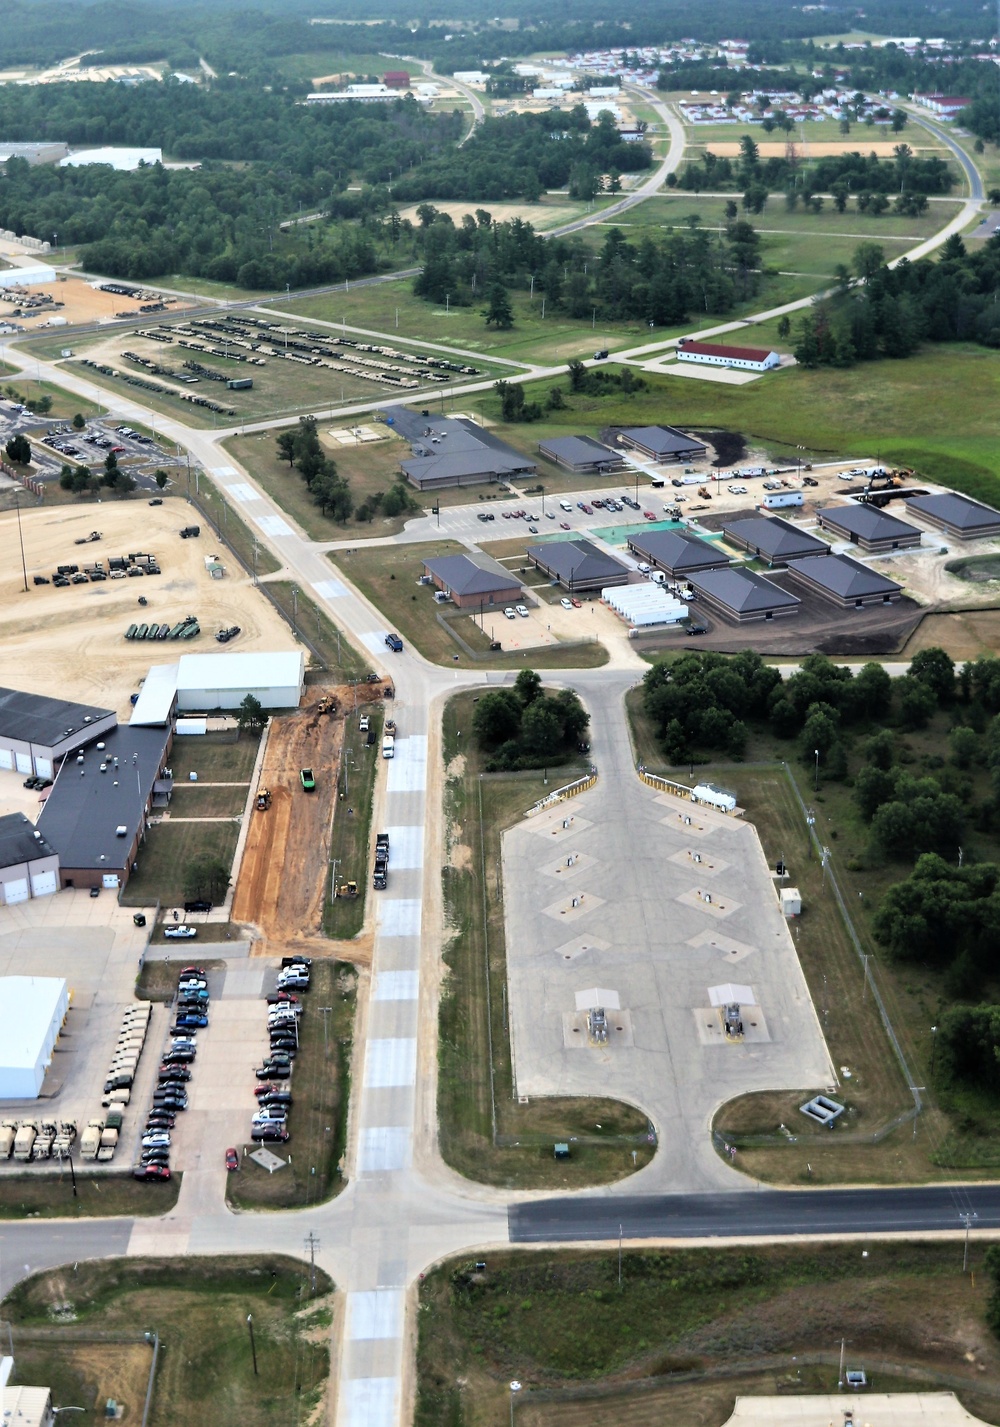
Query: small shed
791	901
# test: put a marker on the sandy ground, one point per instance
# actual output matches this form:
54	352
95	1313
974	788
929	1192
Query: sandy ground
81	303
539	215
282	880
822	148
68	642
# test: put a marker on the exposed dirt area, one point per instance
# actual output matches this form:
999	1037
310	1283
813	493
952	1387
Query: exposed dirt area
81	303
821	148
70	642
281	887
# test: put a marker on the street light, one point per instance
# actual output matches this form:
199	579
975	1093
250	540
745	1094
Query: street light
253	1345
816	777
515	1388
933	1048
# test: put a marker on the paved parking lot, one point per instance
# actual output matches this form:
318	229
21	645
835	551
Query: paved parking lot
615	899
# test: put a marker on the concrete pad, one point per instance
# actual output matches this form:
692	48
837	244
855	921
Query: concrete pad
391	1062
570	864
408	766
550	823
273	525
384	1148
694	828
399	916
242	493
376	1313
580	946
396	986
576	1034
726	946
374	643
720	905
700	863
874	1409
369	1402
330	589
711	1027
406	848
245	981
564	910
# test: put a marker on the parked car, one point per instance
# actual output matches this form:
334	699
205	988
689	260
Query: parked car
232	1160
563	525
522	610
275	1097
151	1173
275	1134
282	998
188	971
198	905
180	933
155	1137
566	604
270	1071
188	1021
178	1055
510	613
394	642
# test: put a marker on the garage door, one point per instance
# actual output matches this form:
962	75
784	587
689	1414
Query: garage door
42	883
6	758
43	767
23	762
14	892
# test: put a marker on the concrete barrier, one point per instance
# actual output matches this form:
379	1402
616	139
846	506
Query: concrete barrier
560	795
680	790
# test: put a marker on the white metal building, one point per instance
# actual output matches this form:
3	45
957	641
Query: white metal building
157	700
32	1011
222	681
644	605
26	277
124	160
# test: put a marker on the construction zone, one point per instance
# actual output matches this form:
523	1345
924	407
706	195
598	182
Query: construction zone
285	875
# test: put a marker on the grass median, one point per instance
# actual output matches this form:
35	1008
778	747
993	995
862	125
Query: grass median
320	1087
473	1005
208	1368
49	1195
350	835
338	657
586	1345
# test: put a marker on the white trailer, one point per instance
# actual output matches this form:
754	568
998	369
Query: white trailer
714	797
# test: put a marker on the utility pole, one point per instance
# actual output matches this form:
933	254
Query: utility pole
20	537
326	1012
253	1345
312	1244
619	1258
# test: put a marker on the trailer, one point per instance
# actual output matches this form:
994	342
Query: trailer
714	797
24	1140
8	1133
90	1141
380	877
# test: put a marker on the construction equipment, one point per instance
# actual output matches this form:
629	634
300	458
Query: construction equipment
346	889
380	878
263	800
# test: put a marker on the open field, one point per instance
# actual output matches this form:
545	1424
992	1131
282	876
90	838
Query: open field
98	1196
546	213
956	1133
318	1117
678	209
820	148
72	639
170	848
474	906
390	576
199	1308
722	1321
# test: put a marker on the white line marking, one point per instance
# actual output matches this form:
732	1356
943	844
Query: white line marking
400	916
408	769
274	525
406	847
374	643
391	1062
223	470
369	1402
329	589
396	986
376	1313
241	492
383	1148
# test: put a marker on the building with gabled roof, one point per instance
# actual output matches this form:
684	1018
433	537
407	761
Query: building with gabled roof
676	552
474	580
716	354
662	443
869	527
742	596
581	454
846	582
773	540
578	564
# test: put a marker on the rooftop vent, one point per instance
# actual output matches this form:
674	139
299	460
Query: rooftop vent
121	830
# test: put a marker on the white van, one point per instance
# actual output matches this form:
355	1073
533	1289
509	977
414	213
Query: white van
565	505
388	746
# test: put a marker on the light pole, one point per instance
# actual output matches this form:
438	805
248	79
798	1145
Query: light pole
515	1388
933	1048
816	775
20	538
968	1218
253	1345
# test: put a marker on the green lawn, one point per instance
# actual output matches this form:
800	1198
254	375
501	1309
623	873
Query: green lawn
196	800
390	577
98	1196
338	657
215	757
813	131
169	850
677	208
199	1308
234	532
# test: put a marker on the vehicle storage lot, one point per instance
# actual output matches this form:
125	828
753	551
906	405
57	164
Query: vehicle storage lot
643	943
69	642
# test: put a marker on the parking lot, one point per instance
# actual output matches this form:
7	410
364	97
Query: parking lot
615	900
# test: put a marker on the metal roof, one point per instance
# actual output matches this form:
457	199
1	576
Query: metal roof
716	349
472	574
867	522
774	537
264	670
957	510
664	440
156	698
742	590
28	1005
20	841
462	448
579	449
843	576
35	718
576	560
677	551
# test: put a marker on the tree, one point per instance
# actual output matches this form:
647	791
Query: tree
528	686
161	478
573	717
578	375
126	483
916	702
18	450
66	478
541	731
251	717
286	446
79	422
936	669
206	877
869	260
964	745
499	313
871	692
784	327
497	718
898	120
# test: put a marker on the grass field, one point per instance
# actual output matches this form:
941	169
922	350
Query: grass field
321	1090
957	1131
586	1349
199	1309
195	800
350	835
389	575
169	850
813	131
472	1008
235	533
676	209
215	757
98	1196
339	658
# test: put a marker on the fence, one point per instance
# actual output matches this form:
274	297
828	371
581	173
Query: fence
30	483
560	795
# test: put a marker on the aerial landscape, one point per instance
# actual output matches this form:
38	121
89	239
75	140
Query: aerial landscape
525	949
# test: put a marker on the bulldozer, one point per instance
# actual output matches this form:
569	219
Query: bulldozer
327	705
346	889
263	799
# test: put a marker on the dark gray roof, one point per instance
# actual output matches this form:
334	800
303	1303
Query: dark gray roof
957	510
472	574
742	590
664	440
774	538
867	522
577	560
677	551
452	465
844	577
578	449
34	718
82	813
462	448
19	842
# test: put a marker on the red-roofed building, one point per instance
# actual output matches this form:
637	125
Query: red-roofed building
396	79
944	105
714	354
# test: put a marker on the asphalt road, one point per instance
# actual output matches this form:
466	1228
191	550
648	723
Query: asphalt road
968	167
27	1247
784	1214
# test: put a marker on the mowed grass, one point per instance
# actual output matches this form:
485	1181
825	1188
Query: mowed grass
169	850
678	209
215	757
98	1196
320	1085
472	1006
337	655
251	552
350	836
390	576
195	800
199	1307
585	1349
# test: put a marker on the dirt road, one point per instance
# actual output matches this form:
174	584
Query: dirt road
281	887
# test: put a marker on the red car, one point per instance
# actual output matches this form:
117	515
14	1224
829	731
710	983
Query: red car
587	510
186	971
232	1160
575	603
151	1172
563	525
648	515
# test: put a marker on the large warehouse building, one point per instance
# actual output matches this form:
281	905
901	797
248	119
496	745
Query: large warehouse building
36	732
29	867
32	1011
449	451
200	682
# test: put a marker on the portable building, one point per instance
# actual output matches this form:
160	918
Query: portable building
32	1011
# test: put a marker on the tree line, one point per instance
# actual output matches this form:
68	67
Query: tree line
878	311
528	726
303	450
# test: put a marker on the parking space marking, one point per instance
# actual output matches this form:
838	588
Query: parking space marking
375	1313
329	589
396	986
408	768
383	1148
406	847
369	1402
399	916
391	1063
274	525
